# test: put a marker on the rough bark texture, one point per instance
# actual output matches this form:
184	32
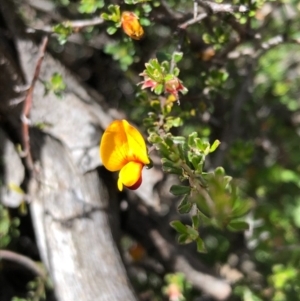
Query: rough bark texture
69	203
70	214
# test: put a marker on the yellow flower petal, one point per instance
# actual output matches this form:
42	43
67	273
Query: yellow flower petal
120	144
137	150
114	146
130	175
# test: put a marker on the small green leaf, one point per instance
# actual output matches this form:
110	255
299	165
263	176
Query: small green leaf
196	160
185	205
191	139
170	167
195	221
214	146
179	227
200	245
184	239
177	56
176	71
111	30
207	38
178	139
220	171
180	190
183	151
154	138
63	30
105	16
168	77
163	149
56	85
145	22
163	56
205	147
237	225
90	6
193	233
158	89
241	208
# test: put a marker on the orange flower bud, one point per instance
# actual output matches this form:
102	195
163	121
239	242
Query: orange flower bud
131	25
123	148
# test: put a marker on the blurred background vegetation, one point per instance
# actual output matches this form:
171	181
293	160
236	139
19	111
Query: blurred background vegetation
242	71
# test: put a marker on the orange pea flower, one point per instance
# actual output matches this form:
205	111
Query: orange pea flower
131	25
123	148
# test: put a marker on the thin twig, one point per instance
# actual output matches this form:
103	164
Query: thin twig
222	7
27	106
75	25
24	261
193	21
195	9
213	8
273	42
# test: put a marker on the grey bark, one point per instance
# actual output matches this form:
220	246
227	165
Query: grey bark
71	218
69	202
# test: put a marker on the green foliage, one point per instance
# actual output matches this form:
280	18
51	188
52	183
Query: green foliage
123	52
216	199
55	85
63	30
36	291
114	14
90	6
8	227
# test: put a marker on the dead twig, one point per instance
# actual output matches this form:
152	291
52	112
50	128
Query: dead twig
212	8
193	21
24	261
27	107
76	25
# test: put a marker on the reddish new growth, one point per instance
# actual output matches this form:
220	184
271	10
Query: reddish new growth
172	86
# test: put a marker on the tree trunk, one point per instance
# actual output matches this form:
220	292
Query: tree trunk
70	215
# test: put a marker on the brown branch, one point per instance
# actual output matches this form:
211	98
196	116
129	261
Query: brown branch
27	106
24	261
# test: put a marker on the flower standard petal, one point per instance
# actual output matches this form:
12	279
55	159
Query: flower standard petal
130	175
114	146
